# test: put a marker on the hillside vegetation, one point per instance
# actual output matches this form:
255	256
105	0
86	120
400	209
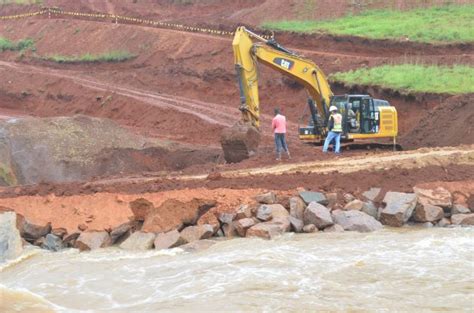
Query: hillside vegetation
445	24
457	79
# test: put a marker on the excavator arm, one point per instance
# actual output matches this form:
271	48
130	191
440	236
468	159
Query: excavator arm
246	56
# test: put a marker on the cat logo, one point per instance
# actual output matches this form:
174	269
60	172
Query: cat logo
286	64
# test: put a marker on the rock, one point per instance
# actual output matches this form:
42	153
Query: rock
459	209
138	241
209	219
93	240
279	212
268	230
427	225
70	239
349	197
220	233
371	194
334	229
174	214
318	215
369	208
311	196
356	221
428	213
195	233
228	218
60	232
10	240
199	245
168	240
31	232
264	212
244	211
462	219
242	225
399	208
38	242
296	224
297	207
141	208
82	227
437	197
53	243
444	222
354	205
121	231
229	230
332	199
266	198
310	228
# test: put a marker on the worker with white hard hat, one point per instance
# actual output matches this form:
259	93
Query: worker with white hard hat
335	130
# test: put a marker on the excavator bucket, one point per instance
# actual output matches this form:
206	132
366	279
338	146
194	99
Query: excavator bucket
239	142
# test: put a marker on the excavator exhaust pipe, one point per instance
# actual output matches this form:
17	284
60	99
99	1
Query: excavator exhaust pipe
239	142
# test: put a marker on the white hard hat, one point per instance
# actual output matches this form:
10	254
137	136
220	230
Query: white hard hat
332	108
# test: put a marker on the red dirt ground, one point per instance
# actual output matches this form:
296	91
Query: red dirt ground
181	86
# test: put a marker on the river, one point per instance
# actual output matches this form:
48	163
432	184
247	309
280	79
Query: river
409	270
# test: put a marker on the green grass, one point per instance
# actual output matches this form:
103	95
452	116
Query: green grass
457	79
112	56
6	44
22	2
442	24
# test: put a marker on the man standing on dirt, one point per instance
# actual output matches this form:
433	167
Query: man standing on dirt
279	130
335	130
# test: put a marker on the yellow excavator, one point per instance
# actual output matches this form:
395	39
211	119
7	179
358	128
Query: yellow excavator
363	116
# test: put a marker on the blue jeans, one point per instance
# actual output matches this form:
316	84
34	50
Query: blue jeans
280	144
330	137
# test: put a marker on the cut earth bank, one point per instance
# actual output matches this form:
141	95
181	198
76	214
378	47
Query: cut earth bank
161	221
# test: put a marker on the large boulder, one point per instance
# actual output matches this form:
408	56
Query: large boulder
229	230
268	230
296	224
10	239
318	215
370	209
93	240
371	194
463	219
31	231
210	219
121	232
356	221
174	214
138	241
264	212
228	218
171	239
460	209
428	213
53	243
266	198
398	209
244	211
297	207
438	197
312	196
194	233
242	225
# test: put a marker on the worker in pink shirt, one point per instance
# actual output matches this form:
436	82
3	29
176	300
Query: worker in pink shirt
279	130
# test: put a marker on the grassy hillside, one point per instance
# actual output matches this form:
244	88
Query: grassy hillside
436	79
445	24
112	56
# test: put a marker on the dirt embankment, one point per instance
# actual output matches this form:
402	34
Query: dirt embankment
66	149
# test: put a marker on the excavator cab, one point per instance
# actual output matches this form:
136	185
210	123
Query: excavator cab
363	118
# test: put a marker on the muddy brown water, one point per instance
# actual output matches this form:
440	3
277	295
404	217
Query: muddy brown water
409	270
